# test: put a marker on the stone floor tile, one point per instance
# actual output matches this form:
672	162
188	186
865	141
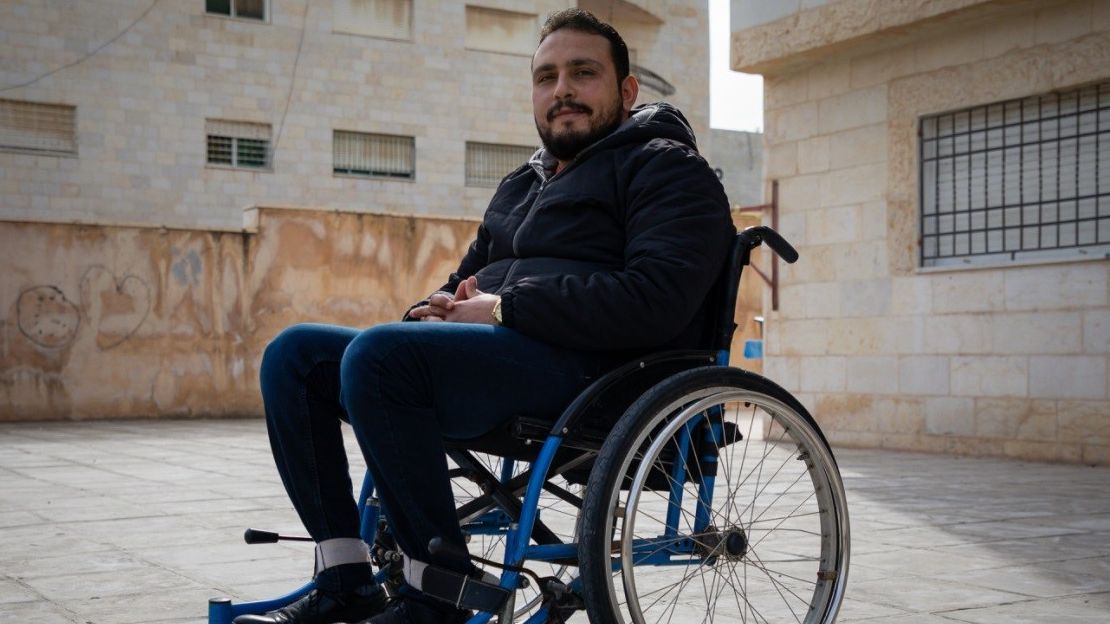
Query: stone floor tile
149	580
927	595
1042	581
13	591
103	561
857	610
34	613
1076	610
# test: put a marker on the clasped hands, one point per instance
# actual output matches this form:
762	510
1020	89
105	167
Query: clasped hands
468	305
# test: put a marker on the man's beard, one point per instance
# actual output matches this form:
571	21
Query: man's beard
566	145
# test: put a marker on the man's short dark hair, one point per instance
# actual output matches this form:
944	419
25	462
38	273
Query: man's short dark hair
584	21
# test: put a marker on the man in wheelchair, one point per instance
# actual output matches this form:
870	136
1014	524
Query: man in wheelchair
601	247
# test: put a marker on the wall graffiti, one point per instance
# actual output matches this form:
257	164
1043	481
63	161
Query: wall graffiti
46	317
115	306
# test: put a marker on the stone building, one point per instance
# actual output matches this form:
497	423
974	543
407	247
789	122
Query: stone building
944	168
184	113
180	180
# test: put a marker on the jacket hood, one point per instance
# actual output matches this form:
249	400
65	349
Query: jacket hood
659	120
654	121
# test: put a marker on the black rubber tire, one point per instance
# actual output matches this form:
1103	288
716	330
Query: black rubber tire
594	545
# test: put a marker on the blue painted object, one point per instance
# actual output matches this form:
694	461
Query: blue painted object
753	349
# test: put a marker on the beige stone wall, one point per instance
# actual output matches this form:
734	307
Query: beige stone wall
121	322
1011	361
142	101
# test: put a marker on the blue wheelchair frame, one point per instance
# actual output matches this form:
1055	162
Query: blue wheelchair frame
661	551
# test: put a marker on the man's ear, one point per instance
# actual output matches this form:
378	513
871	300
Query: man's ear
630	88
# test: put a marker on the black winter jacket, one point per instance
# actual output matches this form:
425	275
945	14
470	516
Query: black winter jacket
617	251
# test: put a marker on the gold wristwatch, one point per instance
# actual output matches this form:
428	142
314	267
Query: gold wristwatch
497	311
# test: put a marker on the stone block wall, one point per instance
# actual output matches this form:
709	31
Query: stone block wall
1007	360
144	96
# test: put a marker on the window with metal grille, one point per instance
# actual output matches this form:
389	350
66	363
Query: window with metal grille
1024	179
373	155
247	9
36	128
238	144
488	163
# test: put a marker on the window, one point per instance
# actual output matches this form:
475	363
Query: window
501	31
389	19
247	9
1017	180
488	163
238	144
373	155
49	129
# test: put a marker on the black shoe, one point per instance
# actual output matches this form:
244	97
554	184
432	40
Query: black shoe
407	610
323	608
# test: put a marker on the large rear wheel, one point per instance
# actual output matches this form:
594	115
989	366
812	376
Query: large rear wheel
715	493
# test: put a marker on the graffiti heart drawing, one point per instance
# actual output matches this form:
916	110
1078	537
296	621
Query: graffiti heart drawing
115	306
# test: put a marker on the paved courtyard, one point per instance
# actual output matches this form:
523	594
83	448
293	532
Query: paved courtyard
119	522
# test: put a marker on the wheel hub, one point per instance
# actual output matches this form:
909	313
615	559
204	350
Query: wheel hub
732	544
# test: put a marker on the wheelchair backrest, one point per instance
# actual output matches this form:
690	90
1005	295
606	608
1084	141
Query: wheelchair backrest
720	303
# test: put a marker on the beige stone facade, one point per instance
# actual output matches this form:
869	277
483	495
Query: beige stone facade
1004	358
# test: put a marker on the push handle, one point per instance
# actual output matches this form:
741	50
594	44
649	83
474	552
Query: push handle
758	234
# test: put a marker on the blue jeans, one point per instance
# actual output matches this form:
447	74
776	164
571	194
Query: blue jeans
404	388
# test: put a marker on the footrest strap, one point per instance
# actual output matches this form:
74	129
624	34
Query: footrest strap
461	590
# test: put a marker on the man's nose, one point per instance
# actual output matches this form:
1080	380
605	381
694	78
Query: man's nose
563	87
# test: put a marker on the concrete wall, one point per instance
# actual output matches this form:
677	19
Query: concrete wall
142	100
1011	360
118	322
738	156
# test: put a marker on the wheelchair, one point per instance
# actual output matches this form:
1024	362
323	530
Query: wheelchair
673	486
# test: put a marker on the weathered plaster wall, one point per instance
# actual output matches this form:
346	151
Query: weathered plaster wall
105	321
1010	361
119	322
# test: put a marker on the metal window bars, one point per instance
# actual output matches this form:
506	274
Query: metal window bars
488	163
1021	179
373	155
34	127
238	144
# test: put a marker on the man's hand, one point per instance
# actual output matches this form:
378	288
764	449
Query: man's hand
436	309
468	305
471	305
